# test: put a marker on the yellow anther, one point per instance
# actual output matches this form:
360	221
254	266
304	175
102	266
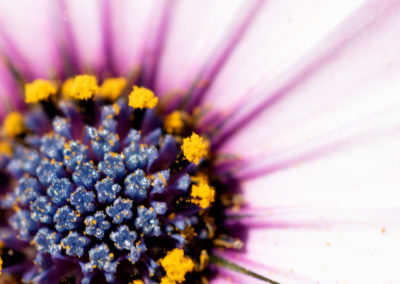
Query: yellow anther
14	124
166	280
5	149
194	148
1	265
66	88
39	90
141	98
84	87
174	122
176	265
136	282
112	88
203	195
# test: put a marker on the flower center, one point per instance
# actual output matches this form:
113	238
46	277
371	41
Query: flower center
107	183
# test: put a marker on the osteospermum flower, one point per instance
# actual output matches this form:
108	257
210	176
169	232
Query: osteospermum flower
199	141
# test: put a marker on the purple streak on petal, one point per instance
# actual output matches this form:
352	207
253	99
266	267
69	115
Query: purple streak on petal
265	97
154	49
375	127
238	258
10	94
66	38
215	63
14	55
107	36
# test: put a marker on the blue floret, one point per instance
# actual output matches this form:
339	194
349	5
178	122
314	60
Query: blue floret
183	183
120	210
42	210
160	181
102	141
24	162
107	190
22	222
75	244
62	127
147	221
75	153
85	175
136	252
60	191
83	200
96	225
136	185
28	189
47	241
52	146
123	238
48	171
133	137
66	219
101	258
113	166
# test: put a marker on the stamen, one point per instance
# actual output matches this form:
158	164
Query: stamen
112	88
173	122
39	90
203	195
66	89
194	148
5	149
176	266
84	87
14	124
141	98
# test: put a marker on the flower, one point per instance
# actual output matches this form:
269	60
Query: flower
289	131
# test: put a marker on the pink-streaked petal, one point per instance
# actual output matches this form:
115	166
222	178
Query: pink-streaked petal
332	219
371	129
26	38
84	20
349	74
228	276
328	245
10	95
131	22
196	32
282	33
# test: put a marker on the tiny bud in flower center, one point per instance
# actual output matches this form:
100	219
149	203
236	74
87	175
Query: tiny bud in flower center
39	90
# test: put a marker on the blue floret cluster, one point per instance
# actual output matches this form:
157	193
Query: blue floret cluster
96	200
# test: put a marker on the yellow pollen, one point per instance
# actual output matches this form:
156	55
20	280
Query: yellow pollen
141	98
5	149
39	90
1	265
112	88
176	265
14	124
166	280
203	195
194	148
84	87
66	88
173	122
136	282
